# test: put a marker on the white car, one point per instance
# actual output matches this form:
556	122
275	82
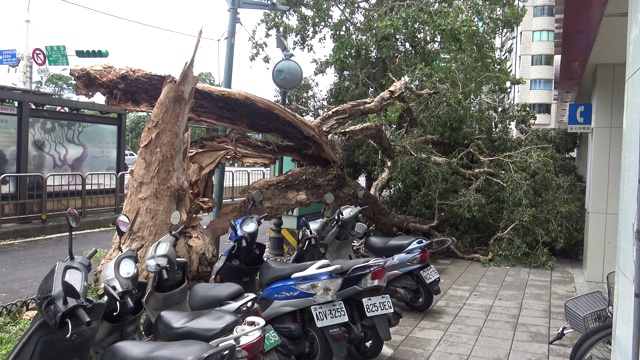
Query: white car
130	157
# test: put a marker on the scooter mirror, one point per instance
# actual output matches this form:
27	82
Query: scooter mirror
122	224
360	192
233	227
73	218
70	291
329	198
175	218
256	196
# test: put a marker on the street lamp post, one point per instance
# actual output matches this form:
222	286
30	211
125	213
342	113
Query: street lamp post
287	75
234	5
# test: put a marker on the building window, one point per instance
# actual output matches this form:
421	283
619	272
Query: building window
541	60
540	84
543	35
541	108
546	10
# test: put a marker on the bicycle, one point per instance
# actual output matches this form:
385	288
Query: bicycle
592	315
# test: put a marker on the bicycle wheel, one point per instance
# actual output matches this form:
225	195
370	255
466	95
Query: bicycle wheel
440	244
594	344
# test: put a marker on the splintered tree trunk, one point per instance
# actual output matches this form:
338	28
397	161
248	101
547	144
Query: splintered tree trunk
159	184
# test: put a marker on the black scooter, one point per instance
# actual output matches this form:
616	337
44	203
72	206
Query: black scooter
68	322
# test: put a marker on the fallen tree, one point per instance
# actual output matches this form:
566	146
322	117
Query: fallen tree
458	160
158	183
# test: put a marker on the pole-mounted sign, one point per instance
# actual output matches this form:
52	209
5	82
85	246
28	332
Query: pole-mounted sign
39	57
580	117
9	57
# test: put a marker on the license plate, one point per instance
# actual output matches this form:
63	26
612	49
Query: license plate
329	314
377	305
430	274
271	338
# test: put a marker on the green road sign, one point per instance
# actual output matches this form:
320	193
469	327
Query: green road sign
57	55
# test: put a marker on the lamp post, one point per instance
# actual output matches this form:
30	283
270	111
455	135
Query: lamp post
234	5
287	75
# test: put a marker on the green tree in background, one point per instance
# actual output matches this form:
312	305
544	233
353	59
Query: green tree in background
466	160
207	79
56	83
135	125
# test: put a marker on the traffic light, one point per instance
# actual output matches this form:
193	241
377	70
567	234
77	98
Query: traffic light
92	53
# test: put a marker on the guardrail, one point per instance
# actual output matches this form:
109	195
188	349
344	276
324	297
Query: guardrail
29	197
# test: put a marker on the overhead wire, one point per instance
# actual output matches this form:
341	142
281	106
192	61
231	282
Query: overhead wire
138	22
168	30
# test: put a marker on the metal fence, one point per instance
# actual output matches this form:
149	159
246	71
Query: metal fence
234	181
28	197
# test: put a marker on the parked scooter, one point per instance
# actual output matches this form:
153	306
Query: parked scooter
67	322
171	305
122	295
411	279
371	313
298	300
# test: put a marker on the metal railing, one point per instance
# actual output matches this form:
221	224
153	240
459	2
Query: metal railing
234	181
28	197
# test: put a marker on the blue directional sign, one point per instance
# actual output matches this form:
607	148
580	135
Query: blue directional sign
9	57
580	117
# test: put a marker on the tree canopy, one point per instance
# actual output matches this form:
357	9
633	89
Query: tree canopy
420	105
56	83
466	160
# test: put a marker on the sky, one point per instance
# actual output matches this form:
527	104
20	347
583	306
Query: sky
70	23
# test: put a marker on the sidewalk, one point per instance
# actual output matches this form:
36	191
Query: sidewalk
491	313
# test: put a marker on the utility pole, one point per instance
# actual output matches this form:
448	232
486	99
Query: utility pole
27	68
234	5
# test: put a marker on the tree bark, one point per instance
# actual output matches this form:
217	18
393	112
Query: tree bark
317	146
213	105
159	185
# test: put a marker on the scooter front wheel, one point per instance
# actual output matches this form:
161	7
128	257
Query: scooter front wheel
316	345
422	298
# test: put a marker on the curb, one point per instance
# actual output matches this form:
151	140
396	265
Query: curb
36	229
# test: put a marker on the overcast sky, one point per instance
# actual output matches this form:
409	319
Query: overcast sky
58	22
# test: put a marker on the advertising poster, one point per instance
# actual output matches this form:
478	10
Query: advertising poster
8	143
58	146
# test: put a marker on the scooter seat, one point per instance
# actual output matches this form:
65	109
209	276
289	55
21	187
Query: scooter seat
205	296
388	246
140	350
206	325
273	270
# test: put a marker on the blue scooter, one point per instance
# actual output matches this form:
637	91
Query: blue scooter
297	300
411	279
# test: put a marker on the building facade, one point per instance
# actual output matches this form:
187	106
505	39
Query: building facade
535	60
598	43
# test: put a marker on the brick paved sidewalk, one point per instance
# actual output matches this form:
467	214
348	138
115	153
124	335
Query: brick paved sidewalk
490	313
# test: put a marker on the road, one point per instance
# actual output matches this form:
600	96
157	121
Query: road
23	264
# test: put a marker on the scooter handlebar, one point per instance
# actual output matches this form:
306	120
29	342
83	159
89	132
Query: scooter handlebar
129	301
91	253
165	274
84	317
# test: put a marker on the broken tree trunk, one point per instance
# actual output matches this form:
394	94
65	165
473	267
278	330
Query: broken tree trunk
316	146
158	184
